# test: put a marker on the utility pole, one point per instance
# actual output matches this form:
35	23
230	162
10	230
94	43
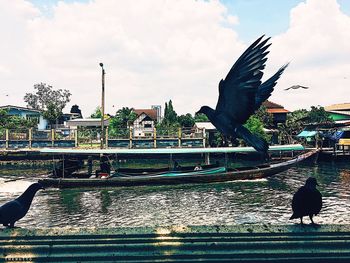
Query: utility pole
103	107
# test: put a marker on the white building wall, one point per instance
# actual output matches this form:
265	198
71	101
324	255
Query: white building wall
139	129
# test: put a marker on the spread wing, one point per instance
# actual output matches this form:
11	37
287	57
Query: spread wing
237	92
266	88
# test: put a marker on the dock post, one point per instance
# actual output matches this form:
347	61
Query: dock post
155	137
130	137
76	137
106	137
30	137
207	158
204	137
7	138
89	165
63	166
171	162
52	137
226	161
179	137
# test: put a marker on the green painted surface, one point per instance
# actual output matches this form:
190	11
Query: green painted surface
239	243
290	147
338	116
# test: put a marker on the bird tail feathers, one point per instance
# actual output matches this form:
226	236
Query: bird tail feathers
258	143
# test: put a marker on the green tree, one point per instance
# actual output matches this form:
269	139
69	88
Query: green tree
126	116
14	122
169	125
97	113
186	121
200	117
264	116
256	126
52	113
170	116
122	120
293	126
51	101
318	115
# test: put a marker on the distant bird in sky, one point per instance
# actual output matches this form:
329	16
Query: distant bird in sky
16	209
307	201
242	93
296	87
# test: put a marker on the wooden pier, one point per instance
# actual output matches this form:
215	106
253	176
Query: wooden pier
238	243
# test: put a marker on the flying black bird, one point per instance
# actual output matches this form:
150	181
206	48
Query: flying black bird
18	208
307	201
296	87
242	93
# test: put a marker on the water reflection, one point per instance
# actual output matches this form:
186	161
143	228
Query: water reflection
260	201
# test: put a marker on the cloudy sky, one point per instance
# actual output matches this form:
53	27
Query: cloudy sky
157	50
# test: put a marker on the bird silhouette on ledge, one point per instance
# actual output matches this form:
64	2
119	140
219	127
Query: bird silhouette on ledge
307	201
242	93
296	87
16	209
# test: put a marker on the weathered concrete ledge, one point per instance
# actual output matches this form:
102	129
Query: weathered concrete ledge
238	243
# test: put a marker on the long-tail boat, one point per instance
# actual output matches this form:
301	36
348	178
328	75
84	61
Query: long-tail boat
186	175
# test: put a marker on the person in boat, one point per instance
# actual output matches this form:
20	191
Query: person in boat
105	166
198	167
177	166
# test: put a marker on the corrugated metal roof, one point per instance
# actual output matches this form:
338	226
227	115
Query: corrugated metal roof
339	106
86	122
20	108
205	125
238	243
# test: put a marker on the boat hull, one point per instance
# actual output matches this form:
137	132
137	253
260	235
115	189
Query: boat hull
240	174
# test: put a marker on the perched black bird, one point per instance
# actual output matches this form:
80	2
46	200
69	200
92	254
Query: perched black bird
18	208
307	201
242	93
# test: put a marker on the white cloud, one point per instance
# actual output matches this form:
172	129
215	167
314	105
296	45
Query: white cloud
153	51
158	50
317	44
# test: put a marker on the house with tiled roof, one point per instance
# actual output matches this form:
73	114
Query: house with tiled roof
278	112
145	122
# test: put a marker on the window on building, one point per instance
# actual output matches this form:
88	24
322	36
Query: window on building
148	125
33	117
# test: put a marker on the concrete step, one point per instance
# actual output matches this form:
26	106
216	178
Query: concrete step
178	244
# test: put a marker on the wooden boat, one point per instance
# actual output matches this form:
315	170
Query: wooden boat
207	175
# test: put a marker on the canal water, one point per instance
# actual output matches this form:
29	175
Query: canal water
266	201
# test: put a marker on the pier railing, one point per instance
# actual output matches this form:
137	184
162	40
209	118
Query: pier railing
91	138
